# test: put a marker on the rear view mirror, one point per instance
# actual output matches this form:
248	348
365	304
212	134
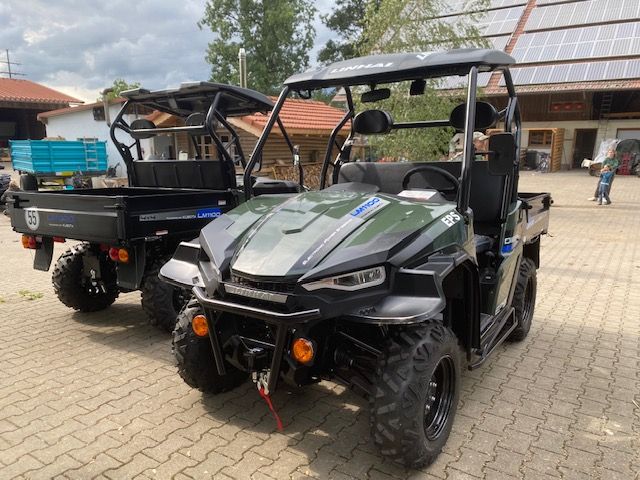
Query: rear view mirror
375	95
502	153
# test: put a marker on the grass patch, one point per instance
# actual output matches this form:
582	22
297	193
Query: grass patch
29	295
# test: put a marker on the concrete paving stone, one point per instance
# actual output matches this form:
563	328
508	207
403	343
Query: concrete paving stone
245	468
560	403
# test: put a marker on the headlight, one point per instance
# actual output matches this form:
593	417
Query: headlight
351	281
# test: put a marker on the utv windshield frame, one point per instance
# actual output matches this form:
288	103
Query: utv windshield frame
395	68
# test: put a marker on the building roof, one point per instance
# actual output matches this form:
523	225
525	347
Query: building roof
561	45
26	91
299	116
79	108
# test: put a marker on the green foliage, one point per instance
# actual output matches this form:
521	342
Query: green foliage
29	295
347	20
120	85
413	25
276	34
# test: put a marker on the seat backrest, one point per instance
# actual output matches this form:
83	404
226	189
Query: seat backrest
207	174
487	191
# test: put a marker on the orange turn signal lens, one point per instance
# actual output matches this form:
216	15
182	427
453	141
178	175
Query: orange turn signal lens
30	242
200	326
302	350
123	255
25	241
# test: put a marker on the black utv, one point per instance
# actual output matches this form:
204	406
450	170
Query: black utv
392	278
128	233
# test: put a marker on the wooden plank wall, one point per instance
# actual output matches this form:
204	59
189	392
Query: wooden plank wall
557	149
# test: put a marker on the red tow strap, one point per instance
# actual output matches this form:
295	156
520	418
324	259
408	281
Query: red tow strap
267	399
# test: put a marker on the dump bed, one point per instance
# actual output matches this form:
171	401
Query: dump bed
46	157
117	215
536	207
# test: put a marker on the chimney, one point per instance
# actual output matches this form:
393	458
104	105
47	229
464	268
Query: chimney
242	59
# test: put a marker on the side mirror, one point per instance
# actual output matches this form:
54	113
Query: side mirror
502	153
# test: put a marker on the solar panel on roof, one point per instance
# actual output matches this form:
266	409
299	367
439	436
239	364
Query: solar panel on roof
457	7
546	16
598	41
493	23
576	72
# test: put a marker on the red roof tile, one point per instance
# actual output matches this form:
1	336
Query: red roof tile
79	108
301	116
26	91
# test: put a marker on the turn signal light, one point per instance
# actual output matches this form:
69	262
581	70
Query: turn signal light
302	350
123	255
29	242
119	255
200	326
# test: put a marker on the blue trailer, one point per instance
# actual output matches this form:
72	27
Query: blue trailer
57	163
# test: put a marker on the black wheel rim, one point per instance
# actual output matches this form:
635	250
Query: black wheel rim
439	398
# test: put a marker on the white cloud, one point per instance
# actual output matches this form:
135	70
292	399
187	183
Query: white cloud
81	47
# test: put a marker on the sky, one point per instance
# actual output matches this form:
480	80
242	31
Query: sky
80	47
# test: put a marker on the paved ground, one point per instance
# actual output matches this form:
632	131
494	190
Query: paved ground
84	396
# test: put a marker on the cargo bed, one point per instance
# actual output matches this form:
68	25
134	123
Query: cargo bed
116	216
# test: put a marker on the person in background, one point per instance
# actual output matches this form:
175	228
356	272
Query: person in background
612	162
606	176
480	143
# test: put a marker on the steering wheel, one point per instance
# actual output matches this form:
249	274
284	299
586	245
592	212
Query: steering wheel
455	183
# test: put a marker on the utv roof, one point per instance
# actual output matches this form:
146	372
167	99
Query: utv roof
397	67
198	96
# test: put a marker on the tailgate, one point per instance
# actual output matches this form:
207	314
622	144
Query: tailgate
536	207
91	217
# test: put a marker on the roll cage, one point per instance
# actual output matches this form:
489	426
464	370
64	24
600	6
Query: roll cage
201	105
395	68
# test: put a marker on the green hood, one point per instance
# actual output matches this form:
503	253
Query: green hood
327	227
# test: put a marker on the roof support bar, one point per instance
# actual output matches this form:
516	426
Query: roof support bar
464	192
257	150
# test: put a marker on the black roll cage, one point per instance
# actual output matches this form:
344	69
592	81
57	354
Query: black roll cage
214	114
510	115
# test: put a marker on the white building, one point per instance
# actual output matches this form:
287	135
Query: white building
89	122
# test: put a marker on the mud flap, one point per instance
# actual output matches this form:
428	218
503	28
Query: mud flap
44	254
130	274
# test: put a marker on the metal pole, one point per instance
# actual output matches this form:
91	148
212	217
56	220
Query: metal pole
242	60
468	152
8	62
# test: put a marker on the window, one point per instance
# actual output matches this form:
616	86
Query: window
98	114
540	138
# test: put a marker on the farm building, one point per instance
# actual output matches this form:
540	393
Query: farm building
578	72
20	103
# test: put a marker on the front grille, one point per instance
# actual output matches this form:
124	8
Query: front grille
277	287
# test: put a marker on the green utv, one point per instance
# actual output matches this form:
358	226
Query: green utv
392	279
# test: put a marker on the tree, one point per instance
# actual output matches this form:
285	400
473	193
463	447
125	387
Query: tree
419	25
347	20
120	85
276	34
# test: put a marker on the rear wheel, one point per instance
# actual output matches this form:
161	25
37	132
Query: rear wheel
416	394
78	283
196	364
524	299
161	301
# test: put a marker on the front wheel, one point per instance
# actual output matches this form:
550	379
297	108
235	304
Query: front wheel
196	364
416	394
85	279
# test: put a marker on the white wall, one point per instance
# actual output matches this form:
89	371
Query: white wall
569	133
80	124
